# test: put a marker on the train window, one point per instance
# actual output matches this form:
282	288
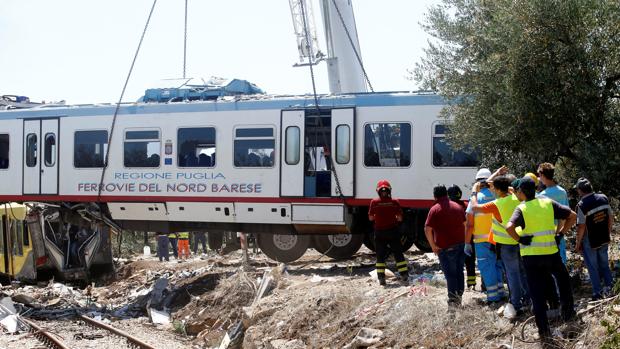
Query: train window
254	147
343	144
196	147
50	150
292	145
142	148
387	145
31	150
444	155
4	151
24	230
89	148
17	242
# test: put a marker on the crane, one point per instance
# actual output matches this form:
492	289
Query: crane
344	65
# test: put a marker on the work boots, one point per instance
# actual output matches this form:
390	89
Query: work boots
381	278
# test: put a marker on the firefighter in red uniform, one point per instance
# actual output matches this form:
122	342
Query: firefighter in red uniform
387	214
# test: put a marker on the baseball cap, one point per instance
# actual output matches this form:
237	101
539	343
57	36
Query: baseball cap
526	183
583	184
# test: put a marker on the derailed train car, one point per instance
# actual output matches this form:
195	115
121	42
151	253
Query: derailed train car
294	174
36	242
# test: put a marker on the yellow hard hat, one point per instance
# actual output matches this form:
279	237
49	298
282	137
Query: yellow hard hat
533	177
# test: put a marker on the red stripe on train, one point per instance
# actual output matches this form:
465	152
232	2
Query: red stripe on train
413	203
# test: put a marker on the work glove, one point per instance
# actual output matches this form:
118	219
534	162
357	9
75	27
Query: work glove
468	249
525	240
558	239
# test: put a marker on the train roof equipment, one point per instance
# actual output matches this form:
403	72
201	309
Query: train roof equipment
200	90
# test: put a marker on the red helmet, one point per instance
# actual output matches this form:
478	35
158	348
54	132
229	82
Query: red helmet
383	184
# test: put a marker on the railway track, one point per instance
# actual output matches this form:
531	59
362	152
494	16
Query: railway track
54	340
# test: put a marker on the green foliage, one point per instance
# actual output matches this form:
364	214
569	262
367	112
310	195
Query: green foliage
530	81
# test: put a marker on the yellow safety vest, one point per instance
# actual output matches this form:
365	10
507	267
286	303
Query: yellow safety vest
184	235
482	226
506	207
538	217
172	236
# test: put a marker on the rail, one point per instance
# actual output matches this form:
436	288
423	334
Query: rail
41	334
133	341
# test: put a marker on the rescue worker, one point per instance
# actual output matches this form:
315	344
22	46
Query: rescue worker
162	247
445	231
507	248
479	225
455	194
594	224
539	250
556	193
183	245
173	238
387	214
200	238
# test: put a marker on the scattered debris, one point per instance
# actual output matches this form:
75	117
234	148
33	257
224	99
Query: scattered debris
365	338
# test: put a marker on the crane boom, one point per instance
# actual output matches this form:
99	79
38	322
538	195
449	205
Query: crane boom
309	52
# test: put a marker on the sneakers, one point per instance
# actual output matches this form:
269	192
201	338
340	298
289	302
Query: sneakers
509	311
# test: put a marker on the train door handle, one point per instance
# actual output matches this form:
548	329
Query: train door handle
41	170
226	211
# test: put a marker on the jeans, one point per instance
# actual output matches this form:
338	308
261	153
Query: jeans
452	260
200	238
173	243
597	262
562	248
515	273
539	270
162	247
491	270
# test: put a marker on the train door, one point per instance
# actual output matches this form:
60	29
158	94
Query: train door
40	156
308	139
292	147
342	125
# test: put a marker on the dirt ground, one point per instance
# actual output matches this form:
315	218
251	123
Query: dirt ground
315	302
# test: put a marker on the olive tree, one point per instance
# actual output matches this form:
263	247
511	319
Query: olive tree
529	81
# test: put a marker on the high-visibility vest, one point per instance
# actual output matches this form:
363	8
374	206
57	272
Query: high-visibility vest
184	235
172	235
483	221
538	217
506	207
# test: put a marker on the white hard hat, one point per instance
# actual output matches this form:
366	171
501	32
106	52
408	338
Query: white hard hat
483	173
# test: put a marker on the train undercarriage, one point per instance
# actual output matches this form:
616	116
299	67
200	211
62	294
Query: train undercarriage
71	241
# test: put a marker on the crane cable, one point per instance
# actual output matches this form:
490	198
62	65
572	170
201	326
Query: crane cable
316	103
118	105
357	55
185	41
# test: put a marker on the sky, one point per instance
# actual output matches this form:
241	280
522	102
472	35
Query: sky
80	51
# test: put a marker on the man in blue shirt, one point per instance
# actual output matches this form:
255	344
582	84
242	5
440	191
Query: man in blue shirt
556	193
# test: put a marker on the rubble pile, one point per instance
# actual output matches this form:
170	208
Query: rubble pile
217	301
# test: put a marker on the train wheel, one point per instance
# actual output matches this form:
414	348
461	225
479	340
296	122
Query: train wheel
215	240
338	246
283	248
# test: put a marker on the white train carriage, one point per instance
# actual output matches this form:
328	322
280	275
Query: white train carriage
294	174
